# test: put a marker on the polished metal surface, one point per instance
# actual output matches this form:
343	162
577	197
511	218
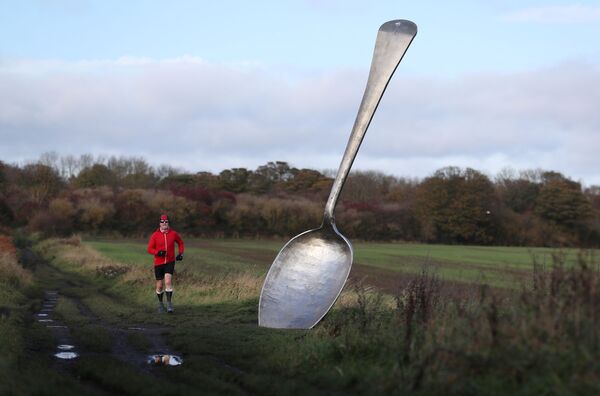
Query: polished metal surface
310	271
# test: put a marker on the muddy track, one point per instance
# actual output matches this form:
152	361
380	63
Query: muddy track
121	347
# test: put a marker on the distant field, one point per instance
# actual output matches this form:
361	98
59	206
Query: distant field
497	266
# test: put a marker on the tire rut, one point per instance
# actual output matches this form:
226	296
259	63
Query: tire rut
121	347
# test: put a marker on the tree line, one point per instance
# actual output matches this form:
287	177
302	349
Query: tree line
125	195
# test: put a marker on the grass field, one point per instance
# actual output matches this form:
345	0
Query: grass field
412	339
507	267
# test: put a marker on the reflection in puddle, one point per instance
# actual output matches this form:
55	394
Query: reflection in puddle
45	320
165	360
42	314
136	328
57	327
66	355
66	347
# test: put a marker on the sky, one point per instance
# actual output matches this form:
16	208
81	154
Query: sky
207	86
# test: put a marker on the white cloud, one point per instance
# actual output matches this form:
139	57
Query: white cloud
573	13
201	116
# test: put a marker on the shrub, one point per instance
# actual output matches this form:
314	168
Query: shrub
50	224
95	214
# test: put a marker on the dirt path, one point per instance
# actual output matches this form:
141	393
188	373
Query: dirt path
121	346
61	288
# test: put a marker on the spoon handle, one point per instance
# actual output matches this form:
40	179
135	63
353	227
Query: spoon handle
393	40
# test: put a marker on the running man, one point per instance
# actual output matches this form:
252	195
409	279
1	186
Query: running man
162	246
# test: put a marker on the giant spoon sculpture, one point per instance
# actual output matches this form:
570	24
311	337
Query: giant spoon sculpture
310	271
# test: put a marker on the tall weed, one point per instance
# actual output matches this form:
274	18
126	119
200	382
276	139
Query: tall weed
11	272
544	337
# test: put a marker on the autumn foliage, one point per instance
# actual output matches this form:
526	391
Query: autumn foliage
7	246
124	196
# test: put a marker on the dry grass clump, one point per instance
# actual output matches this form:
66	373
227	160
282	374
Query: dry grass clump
138	275
241	286
359	293
7	246
72	251
208	289
10	270
74	240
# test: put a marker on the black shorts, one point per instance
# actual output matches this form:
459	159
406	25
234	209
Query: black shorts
161	270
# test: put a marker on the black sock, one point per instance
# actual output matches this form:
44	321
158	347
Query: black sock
169	295
160	296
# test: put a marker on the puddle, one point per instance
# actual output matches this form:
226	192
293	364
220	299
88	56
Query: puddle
165	360
66	355
64	351
136	328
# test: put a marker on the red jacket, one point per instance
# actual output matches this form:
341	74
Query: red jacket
164	241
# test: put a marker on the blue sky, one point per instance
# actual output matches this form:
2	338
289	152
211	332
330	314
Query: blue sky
215	85
454	37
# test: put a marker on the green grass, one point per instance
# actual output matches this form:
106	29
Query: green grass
203	259
389	255
505	267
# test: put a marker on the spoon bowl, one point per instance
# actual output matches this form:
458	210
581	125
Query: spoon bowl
309	272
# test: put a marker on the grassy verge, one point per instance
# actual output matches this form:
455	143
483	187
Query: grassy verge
13	305
25	360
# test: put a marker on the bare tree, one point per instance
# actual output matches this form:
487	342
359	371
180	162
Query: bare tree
50	159
164	171
85	161
69	167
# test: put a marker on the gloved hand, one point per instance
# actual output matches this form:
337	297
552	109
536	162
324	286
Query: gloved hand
161	253
179	257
